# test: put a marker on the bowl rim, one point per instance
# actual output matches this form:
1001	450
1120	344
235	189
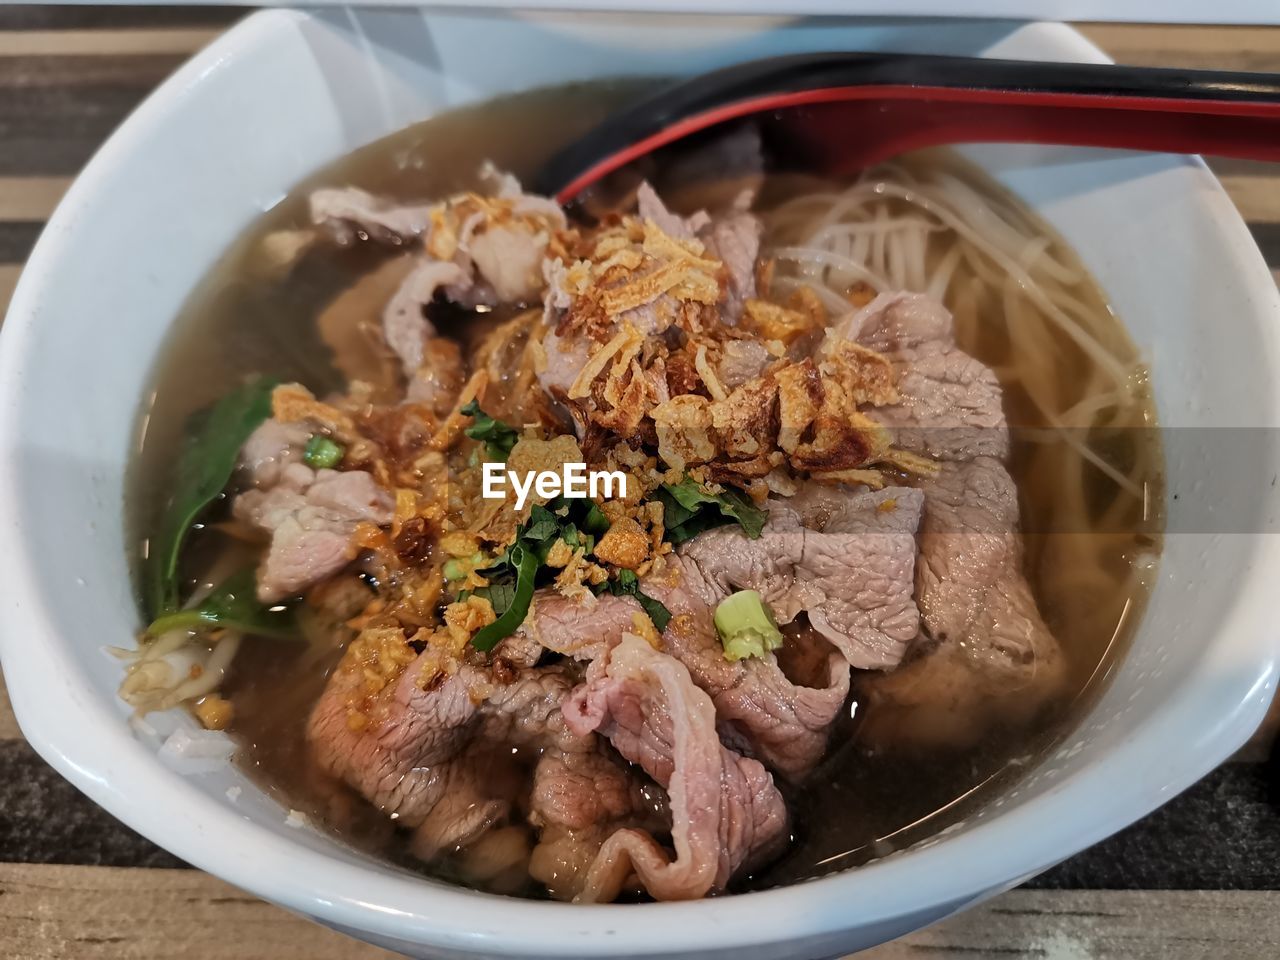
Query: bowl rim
365	900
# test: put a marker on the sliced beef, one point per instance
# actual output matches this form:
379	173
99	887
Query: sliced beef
518	650
508	263
311	516
984	652
853	576
726	812
760	709
581	793
966	543
649	206
397	757
348	214
733	238
579	799
270	449
566	356
468	795
404	321
492	258
450	763
950	407
504	253
582	630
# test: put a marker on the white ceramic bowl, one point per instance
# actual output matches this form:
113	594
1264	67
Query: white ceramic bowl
284	93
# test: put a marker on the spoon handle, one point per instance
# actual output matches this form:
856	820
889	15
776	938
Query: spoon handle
840	112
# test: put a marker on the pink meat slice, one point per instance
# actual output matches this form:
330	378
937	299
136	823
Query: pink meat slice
447	763
349	213
760	709
852	575
726	812
983	651
398	760
311	516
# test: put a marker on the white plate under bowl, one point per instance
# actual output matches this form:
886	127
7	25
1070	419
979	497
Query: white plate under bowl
284	93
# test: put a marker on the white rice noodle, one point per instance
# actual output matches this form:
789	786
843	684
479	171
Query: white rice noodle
896	229
192	752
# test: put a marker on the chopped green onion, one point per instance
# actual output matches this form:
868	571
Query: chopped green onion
321	453
497	437
457	568
746	626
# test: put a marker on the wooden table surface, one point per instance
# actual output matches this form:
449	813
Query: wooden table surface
1199	878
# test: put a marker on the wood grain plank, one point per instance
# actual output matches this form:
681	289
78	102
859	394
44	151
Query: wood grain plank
56	111
17	237
104	43
1257	198
8	722
8	280
30	198
1189	46
53	912
1109	925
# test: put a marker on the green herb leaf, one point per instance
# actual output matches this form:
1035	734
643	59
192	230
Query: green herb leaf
595	522
322	453
516	573
203	469
233	603
688	510
626	583
497	437
512	614
541	525
500	595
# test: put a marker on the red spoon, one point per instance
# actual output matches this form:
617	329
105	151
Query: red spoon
837	113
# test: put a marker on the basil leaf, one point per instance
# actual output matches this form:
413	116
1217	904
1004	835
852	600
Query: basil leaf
497	437
233	603
510	618
688	510
541	525
595	522
626	583
203	470
514	575
743	509
500	595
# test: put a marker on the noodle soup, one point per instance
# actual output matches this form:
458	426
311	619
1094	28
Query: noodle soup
907	755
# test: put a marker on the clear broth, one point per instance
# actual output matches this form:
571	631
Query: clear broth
862	803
